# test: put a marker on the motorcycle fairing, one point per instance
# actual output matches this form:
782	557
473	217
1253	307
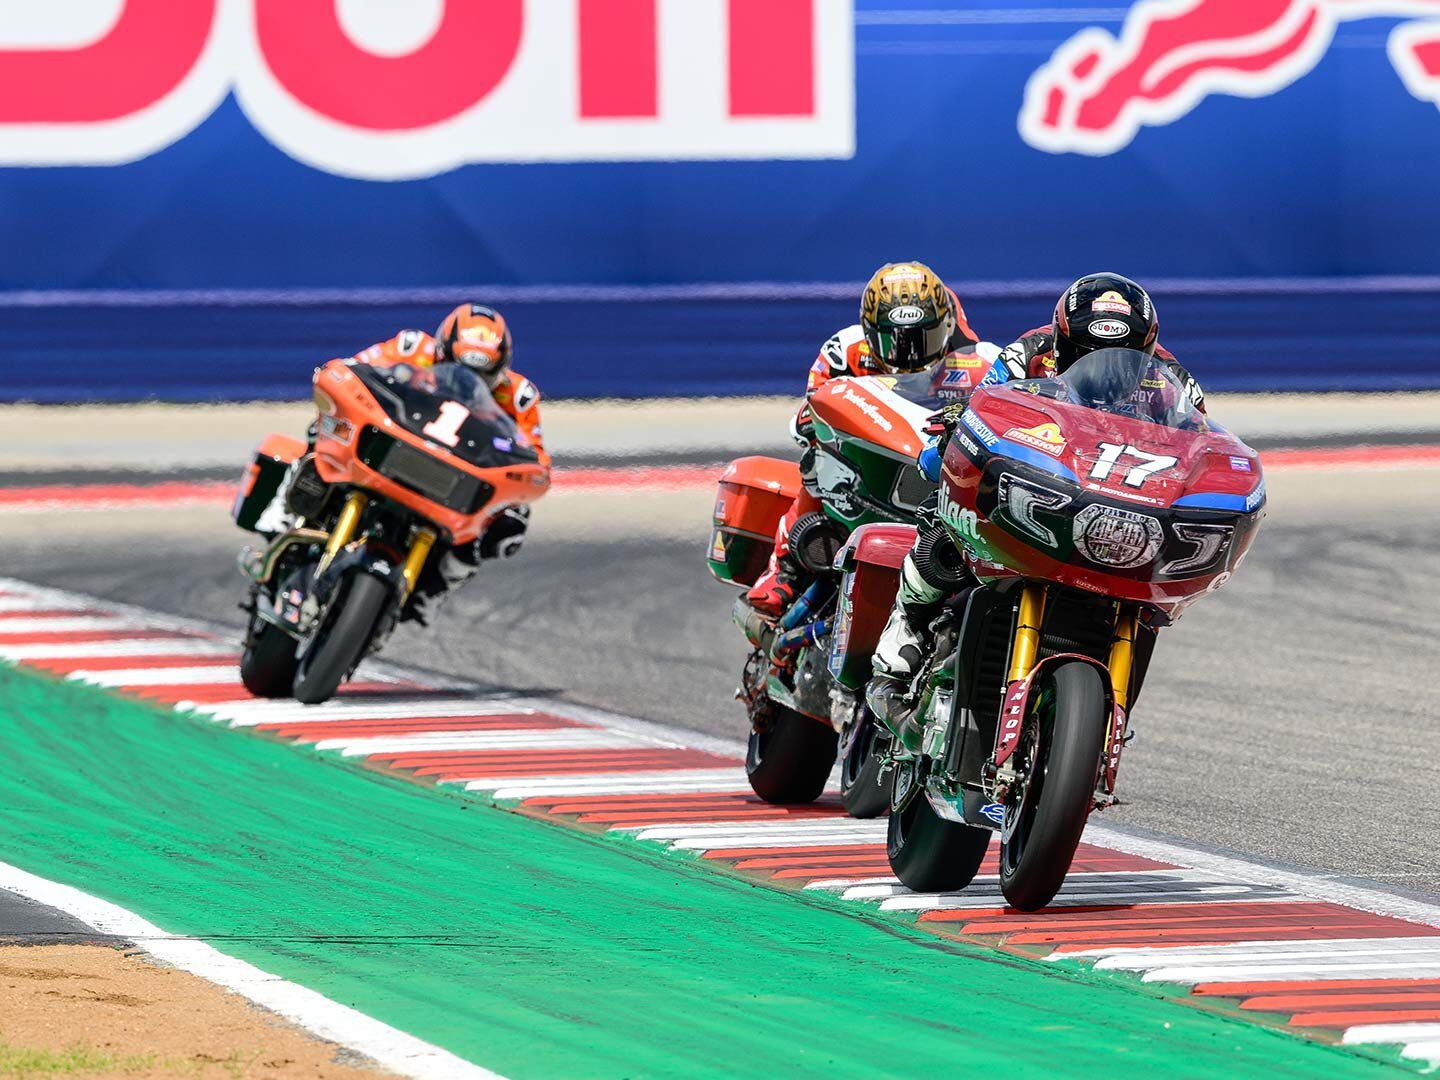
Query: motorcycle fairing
342	390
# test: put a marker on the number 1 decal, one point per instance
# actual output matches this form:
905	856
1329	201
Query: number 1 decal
445	428
1150	464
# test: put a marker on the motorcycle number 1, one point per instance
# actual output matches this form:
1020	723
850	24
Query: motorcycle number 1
445	428
1150	464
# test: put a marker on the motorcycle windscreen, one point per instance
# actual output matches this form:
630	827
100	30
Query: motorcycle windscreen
452	406
1126	383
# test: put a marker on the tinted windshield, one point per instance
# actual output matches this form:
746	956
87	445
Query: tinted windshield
919	387
453	382
1123	382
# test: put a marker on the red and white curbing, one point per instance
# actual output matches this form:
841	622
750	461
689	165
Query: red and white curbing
1342	961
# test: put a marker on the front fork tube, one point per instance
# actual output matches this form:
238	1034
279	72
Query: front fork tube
345	528
1024	652
420	548
1122	658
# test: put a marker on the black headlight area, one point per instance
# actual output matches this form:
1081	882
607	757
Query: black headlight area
425	475
1034	506
1208	543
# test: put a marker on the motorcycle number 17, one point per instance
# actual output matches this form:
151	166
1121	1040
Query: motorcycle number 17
1149	464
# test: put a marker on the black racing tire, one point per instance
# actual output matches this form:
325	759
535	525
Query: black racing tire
790	760
267	666
928	853
342	639
1043	830
861	792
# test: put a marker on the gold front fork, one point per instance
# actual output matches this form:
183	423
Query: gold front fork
1027	632
345	529
1122	654
415	561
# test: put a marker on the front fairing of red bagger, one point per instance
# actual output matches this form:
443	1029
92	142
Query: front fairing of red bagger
1097	489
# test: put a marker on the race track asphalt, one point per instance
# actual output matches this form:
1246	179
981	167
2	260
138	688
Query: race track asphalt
1293	716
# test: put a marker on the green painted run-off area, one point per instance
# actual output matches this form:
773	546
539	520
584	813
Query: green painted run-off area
539	951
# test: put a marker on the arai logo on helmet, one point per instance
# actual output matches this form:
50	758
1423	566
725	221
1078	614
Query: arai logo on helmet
907	315
1108	328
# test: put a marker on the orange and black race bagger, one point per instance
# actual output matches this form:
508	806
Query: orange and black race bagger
404	460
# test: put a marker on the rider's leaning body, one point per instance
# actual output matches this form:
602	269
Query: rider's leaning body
1097	312
512	391
931	332
478	338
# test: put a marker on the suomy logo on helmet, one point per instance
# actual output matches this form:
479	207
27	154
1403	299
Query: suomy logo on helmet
1108	328
907	315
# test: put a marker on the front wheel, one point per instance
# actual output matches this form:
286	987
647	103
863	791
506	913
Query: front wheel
1063	738
927	852
341	639
789	759
267	666
860	789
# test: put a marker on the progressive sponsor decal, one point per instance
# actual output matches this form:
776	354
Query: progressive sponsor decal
1097	91
385	90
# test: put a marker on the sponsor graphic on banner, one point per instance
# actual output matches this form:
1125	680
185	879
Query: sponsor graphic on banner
1098	91
386	91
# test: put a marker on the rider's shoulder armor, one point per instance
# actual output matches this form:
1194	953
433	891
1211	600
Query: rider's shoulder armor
407	347
516	393
1192	387
843	354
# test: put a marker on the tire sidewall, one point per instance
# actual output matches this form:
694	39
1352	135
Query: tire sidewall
1076	740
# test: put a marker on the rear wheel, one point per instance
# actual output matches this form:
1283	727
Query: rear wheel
267	666
860	787
341	639
1063	739
789	759
927	852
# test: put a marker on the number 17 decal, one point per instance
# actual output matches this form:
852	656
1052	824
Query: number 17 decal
1150	464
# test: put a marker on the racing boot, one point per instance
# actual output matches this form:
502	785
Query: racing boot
899	652
774	591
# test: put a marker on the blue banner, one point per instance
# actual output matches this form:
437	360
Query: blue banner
266	164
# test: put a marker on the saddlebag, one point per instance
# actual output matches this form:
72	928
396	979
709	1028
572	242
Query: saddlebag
263	476
754	494
871	561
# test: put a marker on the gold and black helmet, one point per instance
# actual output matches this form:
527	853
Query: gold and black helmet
908	316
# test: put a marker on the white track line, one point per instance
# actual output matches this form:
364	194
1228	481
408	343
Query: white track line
166	676
391	708
64	624
124	647
638	782
481	741
30	603
317	1014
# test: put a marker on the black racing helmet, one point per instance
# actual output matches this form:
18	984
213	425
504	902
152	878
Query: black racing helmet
1103	311
908	316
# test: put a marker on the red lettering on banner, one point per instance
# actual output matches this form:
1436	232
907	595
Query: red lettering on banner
772	57
155	44
310	54
619	53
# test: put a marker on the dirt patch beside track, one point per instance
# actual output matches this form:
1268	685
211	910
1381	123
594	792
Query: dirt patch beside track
94	1011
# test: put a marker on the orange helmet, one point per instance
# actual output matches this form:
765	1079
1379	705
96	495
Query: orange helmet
476	336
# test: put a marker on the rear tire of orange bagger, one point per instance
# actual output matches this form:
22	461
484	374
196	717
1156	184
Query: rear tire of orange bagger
790	760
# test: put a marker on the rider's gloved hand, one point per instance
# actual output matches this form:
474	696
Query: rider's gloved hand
503	537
